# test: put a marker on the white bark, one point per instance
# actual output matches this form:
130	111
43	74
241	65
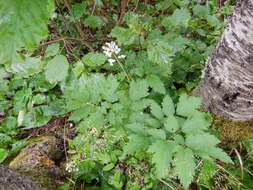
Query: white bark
227	84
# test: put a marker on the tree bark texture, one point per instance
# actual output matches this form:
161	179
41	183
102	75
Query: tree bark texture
227	83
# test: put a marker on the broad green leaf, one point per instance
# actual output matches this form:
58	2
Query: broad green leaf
162	157
124	36
160	52
171	124
135	143
155	82
27	67
23	24
57	69
185	166
93	22
156	110
52	49
3	154
205	145
137	128
219	154
187	105
198	121
180	17
78	10
94	59
157	133
138	89
168	106
201	142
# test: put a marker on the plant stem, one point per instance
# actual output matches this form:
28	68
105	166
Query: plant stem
122	67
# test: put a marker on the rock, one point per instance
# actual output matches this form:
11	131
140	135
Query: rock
37	161
11	180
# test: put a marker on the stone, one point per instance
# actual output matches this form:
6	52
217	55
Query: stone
37	161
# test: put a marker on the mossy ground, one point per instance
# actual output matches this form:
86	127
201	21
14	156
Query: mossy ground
233	131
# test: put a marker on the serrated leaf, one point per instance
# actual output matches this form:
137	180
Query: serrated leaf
162	157
93	22
201	142
94	59
160	52
57	69
198	121
179	18
156	110
157	133
137	128
27	67
187	105
219	154
138	89
156	84
52	49
135	143
206	145
168	106
184	162
23	24
171	124
124	36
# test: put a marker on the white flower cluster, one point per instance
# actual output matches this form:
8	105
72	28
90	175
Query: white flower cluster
112	51
71	167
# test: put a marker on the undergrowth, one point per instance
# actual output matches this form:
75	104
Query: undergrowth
123	85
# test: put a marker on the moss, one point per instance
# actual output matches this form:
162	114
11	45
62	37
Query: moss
233	131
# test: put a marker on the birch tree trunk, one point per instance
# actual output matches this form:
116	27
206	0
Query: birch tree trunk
227	84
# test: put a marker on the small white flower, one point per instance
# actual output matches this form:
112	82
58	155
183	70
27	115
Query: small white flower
122	56
71	167
112	51
111	61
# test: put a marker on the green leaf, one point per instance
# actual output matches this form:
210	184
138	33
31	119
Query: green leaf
93	22
52	49
23	24
156	110
27	67
57	69
78	10
162	157
160	52
207	173
168	106
201	142
138	89
135	144
3	154
157	133
185	166
124	36
198	121
187	105
179	18
155	82
171	124
94	59
205	146
137	128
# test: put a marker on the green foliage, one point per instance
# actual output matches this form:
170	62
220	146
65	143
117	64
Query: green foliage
136	127
56	69
19	30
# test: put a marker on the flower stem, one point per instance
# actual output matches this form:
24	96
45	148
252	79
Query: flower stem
122	67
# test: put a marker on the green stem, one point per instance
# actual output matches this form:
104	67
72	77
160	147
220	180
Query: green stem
122	67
